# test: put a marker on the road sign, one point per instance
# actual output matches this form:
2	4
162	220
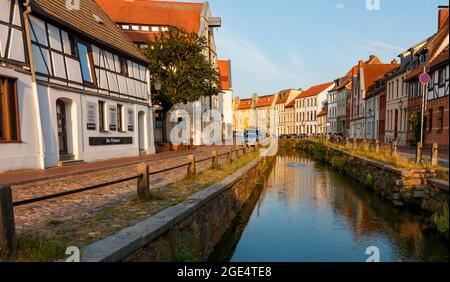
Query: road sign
424	78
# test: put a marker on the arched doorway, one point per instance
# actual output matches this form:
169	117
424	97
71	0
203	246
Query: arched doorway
61	121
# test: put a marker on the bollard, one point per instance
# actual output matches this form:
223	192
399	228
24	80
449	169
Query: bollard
347	143
244	149
215	160
355	144
191	169
435	154
394	149
143	183
7	224
419	153
365	145
230	156
377	146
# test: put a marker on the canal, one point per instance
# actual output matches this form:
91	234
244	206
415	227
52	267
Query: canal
306	212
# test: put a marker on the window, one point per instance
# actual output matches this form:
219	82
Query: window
441	77
126	27
9	113
123	67
441	119
101	115
430	120
120	118
73	47
135	27
145	28
86	63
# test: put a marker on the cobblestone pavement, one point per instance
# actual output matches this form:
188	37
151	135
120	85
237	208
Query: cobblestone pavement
84	204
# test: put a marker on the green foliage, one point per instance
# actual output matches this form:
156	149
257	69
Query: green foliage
441	221
178	61
415	122
370	180
185	254
338	163
34	248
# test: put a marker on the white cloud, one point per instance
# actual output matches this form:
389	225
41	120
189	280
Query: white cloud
382	46
252	68
339	6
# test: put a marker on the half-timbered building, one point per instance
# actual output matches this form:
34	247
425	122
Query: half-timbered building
81	86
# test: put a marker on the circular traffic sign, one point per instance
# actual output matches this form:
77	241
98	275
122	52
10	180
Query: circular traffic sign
424	78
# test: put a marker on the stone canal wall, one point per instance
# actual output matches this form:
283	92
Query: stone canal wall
188	231
403	187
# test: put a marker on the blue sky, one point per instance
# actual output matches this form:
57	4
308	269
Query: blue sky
279	44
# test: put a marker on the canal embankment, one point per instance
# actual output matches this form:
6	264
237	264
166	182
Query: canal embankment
188	231
408	186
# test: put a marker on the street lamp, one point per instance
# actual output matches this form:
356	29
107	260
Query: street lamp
158	85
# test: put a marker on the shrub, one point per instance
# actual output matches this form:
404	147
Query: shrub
441	221
338	163
370	180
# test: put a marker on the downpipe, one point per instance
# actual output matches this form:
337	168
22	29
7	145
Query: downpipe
37	111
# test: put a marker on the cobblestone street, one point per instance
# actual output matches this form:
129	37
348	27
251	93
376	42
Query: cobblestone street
84	204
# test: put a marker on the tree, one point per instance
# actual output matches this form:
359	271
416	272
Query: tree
178	62
415	122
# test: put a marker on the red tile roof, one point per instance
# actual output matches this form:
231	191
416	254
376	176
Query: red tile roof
314	90
245	104
265	101
225	74
161	13
324	112
372	72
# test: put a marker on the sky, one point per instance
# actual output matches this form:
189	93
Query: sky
281	44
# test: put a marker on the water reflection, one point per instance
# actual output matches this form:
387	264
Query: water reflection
307	212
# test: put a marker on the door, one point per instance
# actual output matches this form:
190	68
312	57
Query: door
62	127
396	125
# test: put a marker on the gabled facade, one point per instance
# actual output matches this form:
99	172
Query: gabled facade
308	105
285	97
336	106
226	97
83	86
428	58
141	20
363	77
265	114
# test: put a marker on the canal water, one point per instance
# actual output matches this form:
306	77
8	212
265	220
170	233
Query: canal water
308	213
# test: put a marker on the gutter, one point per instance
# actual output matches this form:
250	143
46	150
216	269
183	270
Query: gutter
35	97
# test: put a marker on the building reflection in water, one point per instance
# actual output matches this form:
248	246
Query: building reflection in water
323	206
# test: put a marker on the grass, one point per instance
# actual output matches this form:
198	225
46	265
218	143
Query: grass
50	243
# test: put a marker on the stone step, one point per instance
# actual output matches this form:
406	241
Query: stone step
70	162
68	157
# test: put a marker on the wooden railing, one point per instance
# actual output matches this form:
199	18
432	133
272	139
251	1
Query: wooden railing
7	222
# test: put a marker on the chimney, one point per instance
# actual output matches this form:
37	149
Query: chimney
442	16
394	62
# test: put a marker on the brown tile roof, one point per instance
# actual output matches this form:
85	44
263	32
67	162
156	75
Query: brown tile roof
265	101
225	74
343	82
315	90
82	21
162	13
245	104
